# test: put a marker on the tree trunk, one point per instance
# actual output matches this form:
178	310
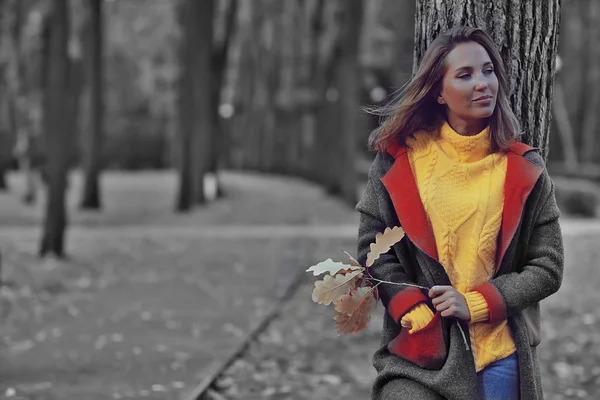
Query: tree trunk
196	112
591	86
404	43
187	181
221	45
3	183
92	135
203	12
526	34
17	104
326	87
349	74
563	125
57	124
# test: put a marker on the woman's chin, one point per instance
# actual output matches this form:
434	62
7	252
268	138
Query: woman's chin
481	114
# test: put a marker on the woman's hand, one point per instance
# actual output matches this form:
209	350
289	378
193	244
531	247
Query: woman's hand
449	302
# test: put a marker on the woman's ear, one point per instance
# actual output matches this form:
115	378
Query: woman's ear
440	99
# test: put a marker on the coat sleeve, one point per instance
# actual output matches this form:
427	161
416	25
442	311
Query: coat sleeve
542	272
397	299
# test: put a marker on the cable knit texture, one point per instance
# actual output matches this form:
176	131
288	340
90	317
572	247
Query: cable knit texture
417	318
461	184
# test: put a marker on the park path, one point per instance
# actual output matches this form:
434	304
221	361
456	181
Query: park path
151	302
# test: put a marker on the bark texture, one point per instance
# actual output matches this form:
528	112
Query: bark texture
525	32
92	136
57	122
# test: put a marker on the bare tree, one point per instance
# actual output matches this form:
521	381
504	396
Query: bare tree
526	34
56	85
350	76
93	133
591	71
196	113
15	12
222	40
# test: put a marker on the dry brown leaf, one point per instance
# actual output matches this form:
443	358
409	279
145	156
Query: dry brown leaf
383	242
354	311
352	260
332	267
348	303
332	288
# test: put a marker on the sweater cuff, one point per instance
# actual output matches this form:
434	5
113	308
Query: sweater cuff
496	306
478	307
417	318
403	301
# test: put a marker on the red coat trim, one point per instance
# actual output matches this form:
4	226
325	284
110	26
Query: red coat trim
400	183
495	303
403	301
426	347
521	176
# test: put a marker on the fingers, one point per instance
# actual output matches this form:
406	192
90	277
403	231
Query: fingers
451	311
441	298
445	305
438	290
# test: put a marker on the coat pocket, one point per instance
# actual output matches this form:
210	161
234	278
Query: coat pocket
531	315
426	348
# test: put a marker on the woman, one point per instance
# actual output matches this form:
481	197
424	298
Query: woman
482	232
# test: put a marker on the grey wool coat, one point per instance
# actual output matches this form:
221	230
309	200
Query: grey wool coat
434	363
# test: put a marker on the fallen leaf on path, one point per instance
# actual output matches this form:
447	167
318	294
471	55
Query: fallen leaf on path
161	348
234	330
20	347
116	337
100	342
159	388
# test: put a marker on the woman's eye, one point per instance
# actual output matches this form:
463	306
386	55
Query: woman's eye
488	71
464	76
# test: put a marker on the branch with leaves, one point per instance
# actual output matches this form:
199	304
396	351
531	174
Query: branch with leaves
352	289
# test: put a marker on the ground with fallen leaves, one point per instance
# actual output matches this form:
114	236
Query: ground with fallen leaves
150	300
300	357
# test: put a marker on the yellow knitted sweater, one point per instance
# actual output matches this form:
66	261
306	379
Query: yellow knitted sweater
461	184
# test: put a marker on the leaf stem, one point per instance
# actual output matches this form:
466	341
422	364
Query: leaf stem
463	335
397	283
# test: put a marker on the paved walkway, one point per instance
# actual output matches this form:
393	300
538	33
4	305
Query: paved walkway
150	301
570	227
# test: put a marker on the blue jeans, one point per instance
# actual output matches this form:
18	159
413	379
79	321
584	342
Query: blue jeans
500	380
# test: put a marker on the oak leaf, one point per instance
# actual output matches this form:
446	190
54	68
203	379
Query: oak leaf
332	288
332	267
383	242
354	310
352	260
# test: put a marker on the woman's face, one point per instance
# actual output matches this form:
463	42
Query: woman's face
469	86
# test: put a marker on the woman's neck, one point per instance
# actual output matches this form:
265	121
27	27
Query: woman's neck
467	127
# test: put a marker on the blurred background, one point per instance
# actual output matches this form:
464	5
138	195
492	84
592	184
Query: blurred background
170	168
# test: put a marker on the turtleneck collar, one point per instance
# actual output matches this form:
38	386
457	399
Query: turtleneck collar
464	148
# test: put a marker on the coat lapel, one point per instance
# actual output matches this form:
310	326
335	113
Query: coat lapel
399	181
521	176
402	188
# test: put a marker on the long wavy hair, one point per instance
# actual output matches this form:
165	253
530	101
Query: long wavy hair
415	108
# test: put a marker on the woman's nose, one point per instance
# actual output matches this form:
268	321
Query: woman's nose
481	83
